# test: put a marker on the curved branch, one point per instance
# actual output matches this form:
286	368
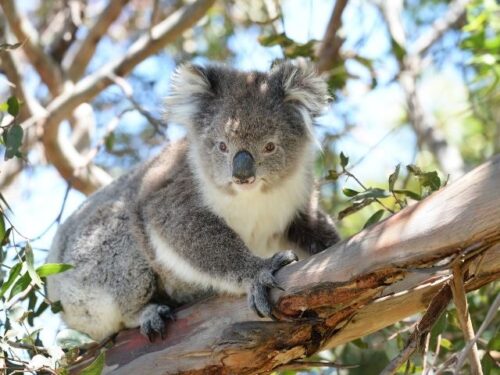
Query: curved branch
80	58
28	36
328	53
70	164
451	19
376	278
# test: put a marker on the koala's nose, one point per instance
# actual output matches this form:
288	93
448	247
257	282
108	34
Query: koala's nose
243	168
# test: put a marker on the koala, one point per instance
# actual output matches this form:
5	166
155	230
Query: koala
218	212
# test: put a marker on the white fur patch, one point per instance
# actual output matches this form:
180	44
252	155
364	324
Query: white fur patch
260	218
169	258
186	83
94	312
305	87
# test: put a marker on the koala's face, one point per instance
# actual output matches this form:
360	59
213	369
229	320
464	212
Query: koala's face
248	130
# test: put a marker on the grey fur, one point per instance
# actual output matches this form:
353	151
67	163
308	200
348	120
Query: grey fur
177	227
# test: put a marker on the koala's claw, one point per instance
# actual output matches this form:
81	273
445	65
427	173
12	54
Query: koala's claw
153	320
258	296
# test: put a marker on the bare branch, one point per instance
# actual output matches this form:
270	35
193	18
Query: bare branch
26	34
451	19
60	152
127	90
328	53
436	308
78	62
458	289
428	135
492	311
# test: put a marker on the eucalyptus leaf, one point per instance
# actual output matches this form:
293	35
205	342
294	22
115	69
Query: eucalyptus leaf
28	251
371	193
375	218
394	177
70	338
13	273
13	106
95	367
344	160
52	269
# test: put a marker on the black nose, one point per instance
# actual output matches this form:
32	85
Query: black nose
243	168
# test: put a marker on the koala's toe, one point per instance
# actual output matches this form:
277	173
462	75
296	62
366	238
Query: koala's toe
283	258
153	320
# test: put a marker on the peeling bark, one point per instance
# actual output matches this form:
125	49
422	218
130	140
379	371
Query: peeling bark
363	284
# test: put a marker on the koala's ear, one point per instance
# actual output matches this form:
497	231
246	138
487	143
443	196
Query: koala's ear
302	85
191	85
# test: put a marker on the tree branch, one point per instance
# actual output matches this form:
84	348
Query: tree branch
447	156
376	278
62	154
28	36
328	53
451	19
436	308
457	287
77	63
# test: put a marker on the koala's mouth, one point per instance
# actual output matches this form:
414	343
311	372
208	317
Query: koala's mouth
247	185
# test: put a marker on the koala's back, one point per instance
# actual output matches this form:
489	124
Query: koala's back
112	278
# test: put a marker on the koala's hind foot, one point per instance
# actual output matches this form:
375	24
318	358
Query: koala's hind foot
258	296
153	318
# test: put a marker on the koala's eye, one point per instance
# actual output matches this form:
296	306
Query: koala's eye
270	147
222	147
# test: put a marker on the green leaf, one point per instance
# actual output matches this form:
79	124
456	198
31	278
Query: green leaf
398	50
4	107
6	237
413	169
354	208
2	228
13	104
14	272
7	46
30	262
371	193
70	338
408	193
445	343
375	218
20	285
95	367
275	39
349	192
13	139
109	141
56	307
52	269
41	308
333	175
430	180
393	177
344	160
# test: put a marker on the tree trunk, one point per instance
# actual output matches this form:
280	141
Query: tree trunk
374	279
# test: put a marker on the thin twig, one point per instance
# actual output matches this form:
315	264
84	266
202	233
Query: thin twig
457	287
422	328
470	345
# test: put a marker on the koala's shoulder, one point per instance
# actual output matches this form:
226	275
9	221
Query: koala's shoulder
164	168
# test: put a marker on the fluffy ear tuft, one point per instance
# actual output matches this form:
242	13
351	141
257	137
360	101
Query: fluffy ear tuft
302	85
190	84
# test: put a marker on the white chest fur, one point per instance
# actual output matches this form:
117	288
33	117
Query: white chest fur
261	218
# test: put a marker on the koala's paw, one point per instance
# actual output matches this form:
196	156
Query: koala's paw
153	320
258	295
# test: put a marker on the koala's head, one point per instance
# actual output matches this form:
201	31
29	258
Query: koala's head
247	129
